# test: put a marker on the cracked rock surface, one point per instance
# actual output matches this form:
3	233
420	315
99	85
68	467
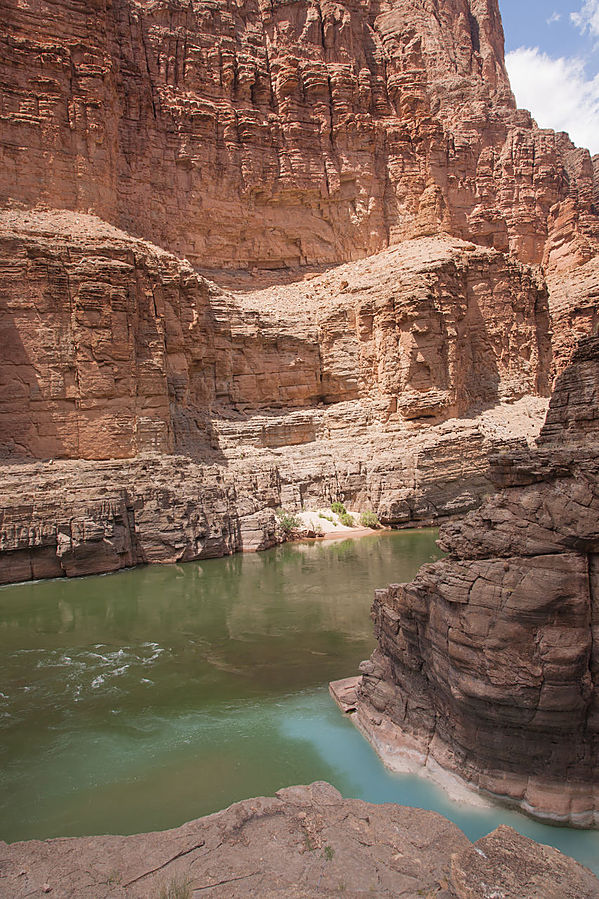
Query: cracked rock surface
302	843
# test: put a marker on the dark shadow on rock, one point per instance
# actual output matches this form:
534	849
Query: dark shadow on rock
29	417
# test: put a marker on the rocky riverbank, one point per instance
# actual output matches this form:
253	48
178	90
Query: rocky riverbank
488	662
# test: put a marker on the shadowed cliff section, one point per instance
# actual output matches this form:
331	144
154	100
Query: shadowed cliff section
488	662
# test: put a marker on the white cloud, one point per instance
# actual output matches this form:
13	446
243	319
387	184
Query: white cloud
557	92
554	17
588	17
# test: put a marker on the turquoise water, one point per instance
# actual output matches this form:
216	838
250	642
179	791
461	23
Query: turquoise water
140	700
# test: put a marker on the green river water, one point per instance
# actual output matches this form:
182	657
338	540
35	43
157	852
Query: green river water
140	700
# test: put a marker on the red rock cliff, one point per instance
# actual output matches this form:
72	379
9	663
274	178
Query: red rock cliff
112	347
405	260
488	662
273	134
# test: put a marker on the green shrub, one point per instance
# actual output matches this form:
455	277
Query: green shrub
338	509
369	520
347	519
287	520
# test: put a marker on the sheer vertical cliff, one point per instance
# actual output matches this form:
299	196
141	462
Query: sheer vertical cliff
274	134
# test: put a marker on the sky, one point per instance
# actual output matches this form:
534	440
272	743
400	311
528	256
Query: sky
552	49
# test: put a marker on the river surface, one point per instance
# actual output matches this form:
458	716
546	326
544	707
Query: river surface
139	700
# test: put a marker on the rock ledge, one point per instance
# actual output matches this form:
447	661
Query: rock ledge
304	842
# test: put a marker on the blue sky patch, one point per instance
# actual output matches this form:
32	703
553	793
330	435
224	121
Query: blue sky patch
552	56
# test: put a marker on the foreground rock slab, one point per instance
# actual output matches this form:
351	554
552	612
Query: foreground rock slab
305	841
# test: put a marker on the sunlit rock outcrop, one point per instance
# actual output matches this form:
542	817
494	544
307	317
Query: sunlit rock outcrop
305	841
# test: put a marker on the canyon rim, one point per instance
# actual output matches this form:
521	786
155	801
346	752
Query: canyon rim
259	255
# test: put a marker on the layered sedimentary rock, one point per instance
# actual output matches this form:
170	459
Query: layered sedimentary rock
269	254
273	134
77	517
232	403
303	842
112	347
574	305
488	661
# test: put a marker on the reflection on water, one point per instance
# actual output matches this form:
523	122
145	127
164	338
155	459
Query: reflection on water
138	701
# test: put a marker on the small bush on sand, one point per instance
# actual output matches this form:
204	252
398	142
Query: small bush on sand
369	520
348	520
287	520
326	517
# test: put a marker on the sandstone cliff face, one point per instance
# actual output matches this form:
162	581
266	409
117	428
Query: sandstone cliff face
113	347
229	404
268	148
76	517
276	134
488	661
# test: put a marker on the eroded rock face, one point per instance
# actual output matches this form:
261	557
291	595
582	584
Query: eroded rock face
84	517
246	140
303	842
488	661
224	405
113	347
277	134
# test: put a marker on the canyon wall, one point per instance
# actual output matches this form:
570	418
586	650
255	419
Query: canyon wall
488	662
257	254
112	347
62	517
230	406
212	407
270	134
